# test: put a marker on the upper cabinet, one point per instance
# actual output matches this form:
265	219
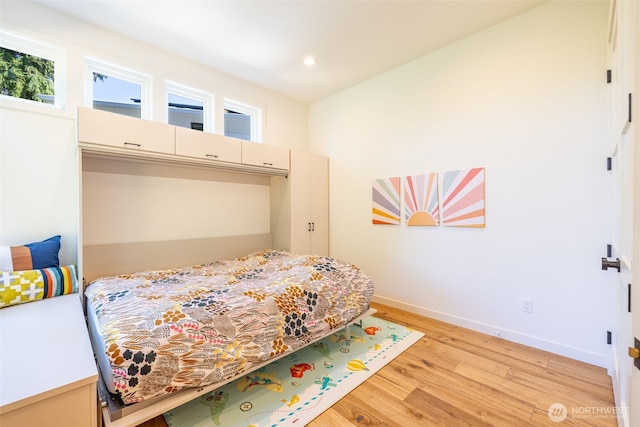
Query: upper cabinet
262	155
102	127
109	134
209	146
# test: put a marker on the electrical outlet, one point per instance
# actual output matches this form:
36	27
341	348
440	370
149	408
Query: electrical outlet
527	305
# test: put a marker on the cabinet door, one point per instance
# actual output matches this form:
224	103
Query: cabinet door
309	204
102	127
270	156
319	204
300	203
207	146
75	407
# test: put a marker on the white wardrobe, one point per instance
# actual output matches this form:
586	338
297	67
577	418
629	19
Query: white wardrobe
300	205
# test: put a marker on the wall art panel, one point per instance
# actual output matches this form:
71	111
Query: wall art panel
385	193
463	198
421	200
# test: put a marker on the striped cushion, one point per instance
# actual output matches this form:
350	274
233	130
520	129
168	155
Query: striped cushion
17	287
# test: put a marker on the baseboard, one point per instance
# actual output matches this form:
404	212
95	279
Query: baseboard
582	355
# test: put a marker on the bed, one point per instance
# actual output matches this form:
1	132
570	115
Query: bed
164	336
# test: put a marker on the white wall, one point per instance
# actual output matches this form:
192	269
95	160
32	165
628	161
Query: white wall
39	177
525	99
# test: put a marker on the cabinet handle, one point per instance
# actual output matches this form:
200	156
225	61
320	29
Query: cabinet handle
308	226
215	156
133	144
268	164
313	226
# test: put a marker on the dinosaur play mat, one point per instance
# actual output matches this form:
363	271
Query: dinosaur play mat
299	387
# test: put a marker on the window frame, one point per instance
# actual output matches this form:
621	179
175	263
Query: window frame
94	65
30	46
254	112
207	99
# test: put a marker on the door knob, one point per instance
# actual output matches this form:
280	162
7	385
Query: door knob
606	264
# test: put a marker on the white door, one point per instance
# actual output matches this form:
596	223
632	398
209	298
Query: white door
634	132
625	251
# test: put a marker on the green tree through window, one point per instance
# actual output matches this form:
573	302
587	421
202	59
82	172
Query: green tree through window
25	76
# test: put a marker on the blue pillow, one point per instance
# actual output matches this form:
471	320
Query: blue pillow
44	254
31	256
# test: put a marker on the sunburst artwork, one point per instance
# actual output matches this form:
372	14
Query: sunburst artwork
463	198
421	200
385	194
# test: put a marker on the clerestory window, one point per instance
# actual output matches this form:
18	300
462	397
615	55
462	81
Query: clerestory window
189	108
116	89
31	71
242	121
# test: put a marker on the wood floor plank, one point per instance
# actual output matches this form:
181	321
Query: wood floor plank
357	412
498	349
364	409
377	382
455	376
538	394
494	381
330	418
480	400
467	354
579	370
541	418
422	353
575	395
472	412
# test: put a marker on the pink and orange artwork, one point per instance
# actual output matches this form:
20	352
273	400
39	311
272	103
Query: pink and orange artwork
385	194
463	198
421	200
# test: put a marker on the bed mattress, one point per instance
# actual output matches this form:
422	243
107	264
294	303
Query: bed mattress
156	332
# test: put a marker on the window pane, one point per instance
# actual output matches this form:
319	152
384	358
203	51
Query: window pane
116	95
185	112
237	125
26	76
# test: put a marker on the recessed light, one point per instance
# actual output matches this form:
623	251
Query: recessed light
309	61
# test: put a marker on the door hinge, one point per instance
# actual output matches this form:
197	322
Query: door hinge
609	163
634	352
608	76
609	337
629	108
629	298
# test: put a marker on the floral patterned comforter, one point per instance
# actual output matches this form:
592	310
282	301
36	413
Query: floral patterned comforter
170	329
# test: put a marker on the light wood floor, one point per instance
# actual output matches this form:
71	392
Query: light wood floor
457	377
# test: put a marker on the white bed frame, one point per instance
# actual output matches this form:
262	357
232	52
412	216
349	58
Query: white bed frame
113	259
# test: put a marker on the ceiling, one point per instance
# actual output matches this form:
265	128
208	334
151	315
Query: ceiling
265	41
